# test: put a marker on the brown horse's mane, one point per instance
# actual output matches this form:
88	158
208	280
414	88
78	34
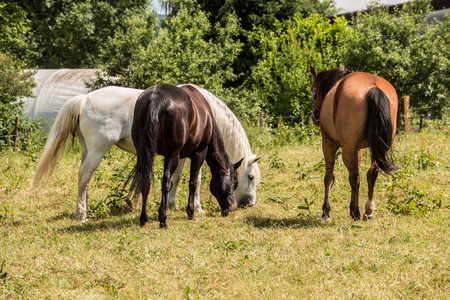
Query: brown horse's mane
326	80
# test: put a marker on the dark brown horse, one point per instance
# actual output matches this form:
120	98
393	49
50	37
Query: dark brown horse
354	111
177	123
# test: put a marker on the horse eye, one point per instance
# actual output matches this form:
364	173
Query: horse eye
251	177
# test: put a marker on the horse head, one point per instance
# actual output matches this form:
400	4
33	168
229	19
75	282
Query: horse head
245	194
222	187
323	82
316	111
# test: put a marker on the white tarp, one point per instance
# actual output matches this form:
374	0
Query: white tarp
53	89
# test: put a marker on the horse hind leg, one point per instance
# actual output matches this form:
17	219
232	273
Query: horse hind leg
352	160
170	165
329	152
87	169
91	158
82	201
372	175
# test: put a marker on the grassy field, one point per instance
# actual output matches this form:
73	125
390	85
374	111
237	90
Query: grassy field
278	249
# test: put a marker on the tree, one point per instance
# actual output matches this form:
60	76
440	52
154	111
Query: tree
405	50
281	77
250	13
179	53
14	83
263	14
13	29
68	34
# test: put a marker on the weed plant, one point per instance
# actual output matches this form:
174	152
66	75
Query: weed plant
279	248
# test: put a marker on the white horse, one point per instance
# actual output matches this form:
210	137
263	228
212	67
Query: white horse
103	118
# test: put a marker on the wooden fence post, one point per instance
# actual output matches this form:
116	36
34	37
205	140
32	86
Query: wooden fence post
16	131
261	119
407	116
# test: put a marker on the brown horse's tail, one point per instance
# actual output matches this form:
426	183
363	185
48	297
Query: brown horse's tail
139	178
378	128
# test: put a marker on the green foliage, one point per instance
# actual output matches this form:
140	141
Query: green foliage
420	160
404	49
408	199
281	77
13	28
68	34
3	275
181	52
306	206
260	13
117	202
15	84
264	13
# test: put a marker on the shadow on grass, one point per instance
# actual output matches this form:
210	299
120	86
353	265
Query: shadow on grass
287	222
104	224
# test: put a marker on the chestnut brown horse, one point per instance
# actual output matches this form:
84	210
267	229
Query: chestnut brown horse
177	123
354	111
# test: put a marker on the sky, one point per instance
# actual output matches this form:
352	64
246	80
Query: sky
347	5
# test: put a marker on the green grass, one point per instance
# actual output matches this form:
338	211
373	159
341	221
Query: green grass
278	249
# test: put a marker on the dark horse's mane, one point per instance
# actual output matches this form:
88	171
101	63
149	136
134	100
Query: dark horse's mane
221	159
326	80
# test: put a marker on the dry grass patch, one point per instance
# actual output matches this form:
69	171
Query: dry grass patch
278	249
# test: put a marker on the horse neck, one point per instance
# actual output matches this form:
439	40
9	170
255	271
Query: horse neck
216	157
328	79
234	137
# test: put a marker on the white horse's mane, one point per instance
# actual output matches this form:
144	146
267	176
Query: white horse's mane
232	131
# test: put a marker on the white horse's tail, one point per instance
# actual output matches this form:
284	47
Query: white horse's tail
64	127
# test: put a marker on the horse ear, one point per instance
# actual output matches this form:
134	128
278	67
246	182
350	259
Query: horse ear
313	72
238	164
254	160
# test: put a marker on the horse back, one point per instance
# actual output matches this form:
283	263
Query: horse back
180	119
346	102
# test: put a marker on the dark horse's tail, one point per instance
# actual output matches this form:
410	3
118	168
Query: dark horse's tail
377	130
139	179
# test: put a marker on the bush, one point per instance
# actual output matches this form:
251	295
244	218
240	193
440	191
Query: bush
281	77
14	84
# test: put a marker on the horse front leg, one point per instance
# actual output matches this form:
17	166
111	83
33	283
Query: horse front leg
196	164
352	160
329	152
197	204
176	177
170	165
372	175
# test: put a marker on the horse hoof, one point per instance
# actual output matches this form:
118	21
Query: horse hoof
162	225
355	217
200	210
143	221
368	217
326	219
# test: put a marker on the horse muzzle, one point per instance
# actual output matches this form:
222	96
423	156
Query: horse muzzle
227	211
246	201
